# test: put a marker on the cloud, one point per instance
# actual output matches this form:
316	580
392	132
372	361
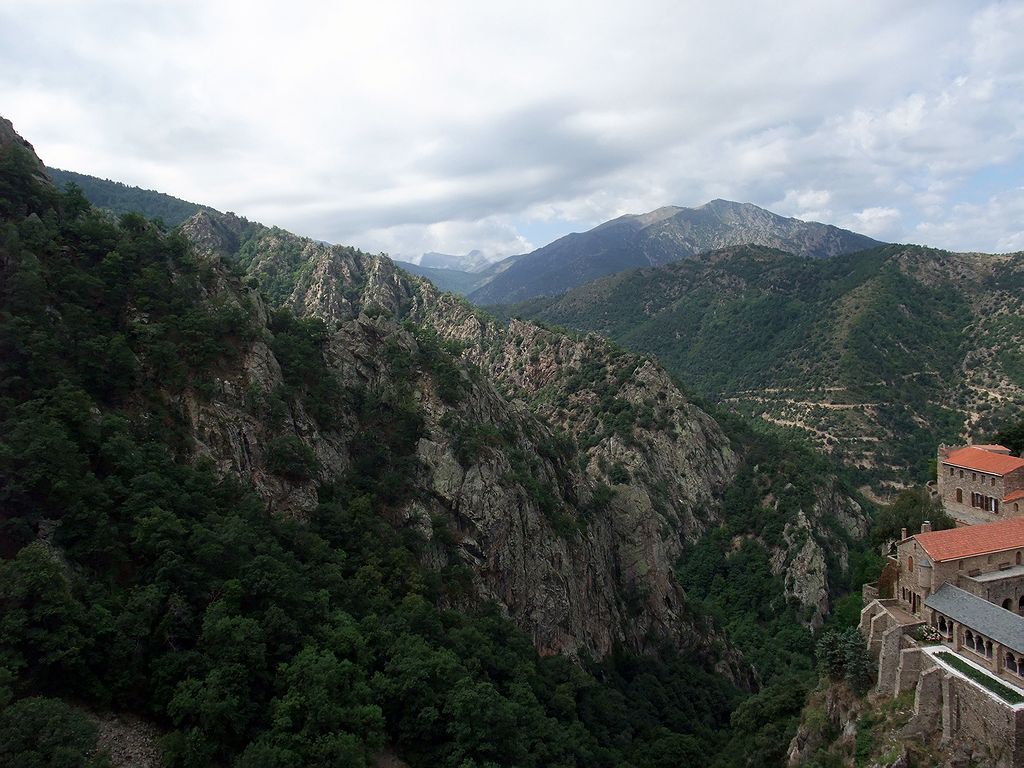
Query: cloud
399	124
877	221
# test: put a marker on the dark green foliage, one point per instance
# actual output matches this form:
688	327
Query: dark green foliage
912	507
289	457
133	576
298	344
120	198
843	655
1012	437
46	733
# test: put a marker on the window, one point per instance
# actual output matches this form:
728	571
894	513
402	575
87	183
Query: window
993	482
910	564
959	495
1018	558
1016	507
950	471
960	564
961	473
974	475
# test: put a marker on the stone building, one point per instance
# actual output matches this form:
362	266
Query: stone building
985	560
980	483
954	633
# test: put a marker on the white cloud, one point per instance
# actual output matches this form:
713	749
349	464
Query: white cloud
400	124
878	221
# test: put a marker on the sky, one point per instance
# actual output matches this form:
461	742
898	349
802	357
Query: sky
407	127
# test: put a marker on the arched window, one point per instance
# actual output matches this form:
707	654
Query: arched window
969	639
1008	604
959	495
1011	662
988	649
910	563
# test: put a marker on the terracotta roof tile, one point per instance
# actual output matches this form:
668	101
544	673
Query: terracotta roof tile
981	460
973	539
1014	496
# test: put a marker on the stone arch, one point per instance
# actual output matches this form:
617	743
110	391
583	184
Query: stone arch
1008	604
969	639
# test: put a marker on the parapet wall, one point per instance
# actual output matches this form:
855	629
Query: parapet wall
945	704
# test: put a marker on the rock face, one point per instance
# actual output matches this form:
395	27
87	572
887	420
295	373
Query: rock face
810	541
659	237
589	469
578	547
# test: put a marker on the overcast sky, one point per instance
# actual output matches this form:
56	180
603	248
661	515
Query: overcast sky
412	126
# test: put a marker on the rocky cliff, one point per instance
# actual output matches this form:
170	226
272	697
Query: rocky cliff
576	524
578	548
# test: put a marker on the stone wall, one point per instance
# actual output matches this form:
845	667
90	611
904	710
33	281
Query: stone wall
946	704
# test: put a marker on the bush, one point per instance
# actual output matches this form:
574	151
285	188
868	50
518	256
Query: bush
291	458
843	655
39	732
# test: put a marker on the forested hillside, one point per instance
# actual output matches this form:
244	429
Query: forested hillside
876	356
120	198
346	515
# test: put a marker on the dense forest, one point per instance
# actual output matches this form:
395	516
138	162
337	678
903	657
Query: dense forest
119	198
137	578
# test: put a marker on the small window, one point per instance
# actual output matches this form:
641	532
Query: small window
950	471
1018	558
961	473
910	564
974	475
1016	507
960	563
993	482
959	495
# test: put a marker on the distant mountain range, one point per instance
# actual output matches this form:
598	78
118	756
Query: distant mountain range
652	239
876	355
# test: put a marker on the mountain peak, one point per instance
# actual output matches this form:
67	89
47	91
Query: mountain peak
664	235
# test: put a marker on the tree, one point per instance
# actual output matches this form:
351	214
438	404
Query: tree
1012	437
47	733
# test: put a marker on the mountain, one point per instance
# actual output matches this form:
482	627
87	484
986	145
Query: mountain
290	506
453	280
474	261
120	198
877	356
656	238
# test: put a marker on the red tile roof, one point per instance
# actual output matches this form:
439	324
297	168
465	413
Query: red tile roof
991	447
981	460
1014	496
973	539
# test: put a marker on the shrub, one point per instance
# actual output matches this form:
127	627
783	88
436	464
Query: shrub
291	458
